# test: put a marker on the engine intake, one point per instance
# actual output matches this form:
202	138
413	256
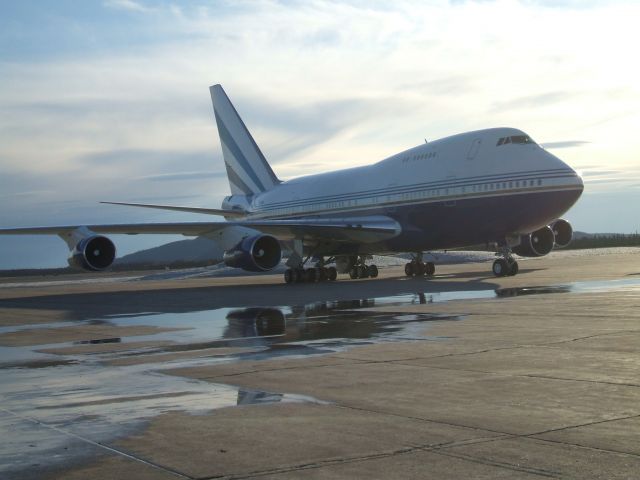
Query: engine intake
536	244
563	232
94	253
259	253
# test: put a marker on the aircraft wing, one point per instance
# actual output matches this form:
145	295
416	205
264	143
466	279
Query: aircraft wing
360	229
206	211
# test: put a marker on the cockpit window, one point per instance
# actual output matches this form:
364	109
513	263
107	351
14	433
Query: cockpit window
516	139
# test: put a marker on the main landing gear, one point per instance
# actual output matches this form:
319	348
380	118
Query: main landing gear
506	266
310	275
361	270
418	268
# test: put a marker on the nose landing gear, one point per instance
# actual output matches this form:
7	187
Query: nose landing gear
505	266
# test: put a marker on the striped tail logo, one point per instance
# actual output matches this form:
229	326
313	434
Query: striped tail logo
247	169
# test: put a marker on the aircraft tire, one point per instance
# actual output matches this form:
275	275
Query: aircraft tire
430	269
408	270
297	275
353	273
373	271
362	271
332	274
513	268
288	276
310	275
500	267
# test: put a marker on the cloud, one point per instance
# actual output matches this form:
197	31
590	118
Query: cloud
128	5
593	173
533	101
565	144
171	177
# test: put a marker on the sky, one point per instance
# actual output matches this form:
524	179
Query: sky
108	100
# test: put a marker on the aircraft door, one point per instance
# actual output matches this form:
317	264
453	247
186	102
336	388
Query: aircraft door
473	149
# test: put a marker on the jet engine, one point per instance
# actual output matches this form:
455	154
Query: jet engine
259	253
536	244
563	232
93	253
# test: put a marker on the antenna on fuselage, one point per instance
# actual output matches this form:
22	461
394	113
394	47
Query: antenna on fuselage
425	141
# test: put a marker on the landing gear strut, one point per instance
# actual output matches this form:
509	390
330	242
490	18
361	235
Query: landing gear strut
418	268
361	270
505	266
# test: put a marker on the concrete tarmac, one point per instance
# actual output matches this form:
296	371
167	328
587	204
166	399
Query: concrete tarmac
460	376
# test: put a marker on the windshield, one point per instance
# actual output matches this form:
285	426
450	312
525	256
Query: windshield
518	139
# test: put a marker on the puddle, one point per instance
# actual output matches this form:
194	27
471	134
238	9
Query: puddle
44	414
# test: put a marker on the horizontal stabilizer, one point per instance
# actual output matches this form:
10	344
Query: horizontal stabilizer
205	211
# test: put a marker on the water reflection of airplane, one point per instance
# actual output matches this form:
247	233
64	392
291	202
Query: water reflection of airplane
255	322
316	321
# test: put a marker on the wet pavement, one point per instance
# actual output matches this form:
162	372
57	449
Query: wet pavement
70	388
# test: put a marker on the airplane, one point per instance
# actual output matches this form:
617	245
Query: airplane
494	187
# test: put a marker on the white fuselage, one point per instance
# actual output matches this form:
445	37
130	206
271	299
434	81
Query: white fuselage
464	166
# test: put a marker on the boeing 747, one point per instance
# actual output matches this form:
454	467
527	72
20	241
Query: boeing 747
495	187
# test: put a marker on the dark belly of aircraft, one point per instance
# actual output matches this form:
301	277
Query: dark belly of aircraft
474	221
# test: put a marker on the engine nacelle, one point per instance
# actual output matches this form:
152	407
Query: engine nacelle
94	253
563	232
259	253
536	244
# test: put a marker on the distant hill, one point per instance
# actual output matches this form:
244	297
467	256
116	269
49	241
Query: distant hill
200	250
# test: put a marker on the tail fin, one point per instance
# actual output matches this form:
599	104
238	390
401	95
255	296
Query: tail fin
247	169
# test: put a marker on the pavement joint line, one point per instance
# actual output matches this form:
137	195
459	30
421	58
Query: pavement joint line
317	464
508	466
597	422
376	456
577	339
421	419
535	436
295	367
585	447
97	444
522	375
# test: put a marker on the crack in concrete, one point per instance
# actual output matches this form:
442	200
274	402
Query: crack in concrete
522	375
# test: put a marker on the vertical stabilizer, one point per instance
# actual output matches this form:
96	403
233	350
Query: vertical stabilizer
247	169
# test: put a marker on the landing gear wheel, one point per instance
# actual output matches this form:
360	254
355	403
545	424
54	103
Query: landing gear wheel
408	270
362	271
353	273
513	268
288	276
332	274
310	275
500	267
373	271
297	275
430	269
